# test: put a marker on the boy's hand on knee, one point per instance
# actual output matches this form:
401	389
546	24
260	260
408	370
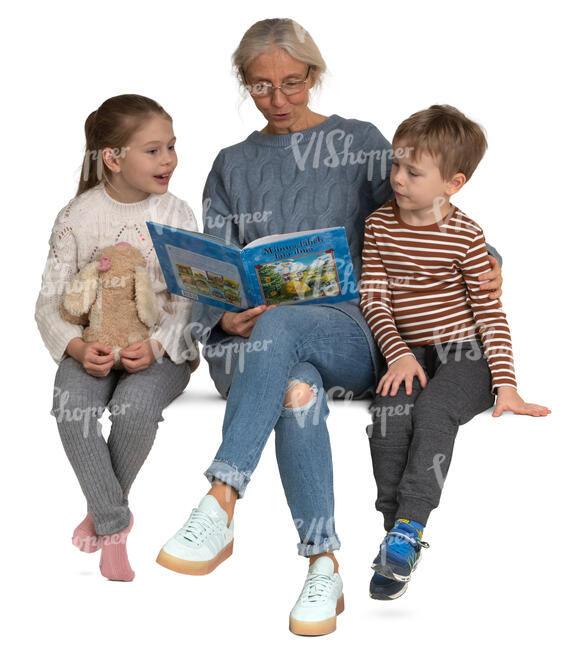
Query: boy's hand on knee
509	400
403	370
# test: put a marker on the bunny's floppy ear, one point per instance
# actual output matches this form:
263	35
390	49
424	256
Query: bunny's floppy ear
145	298
81	295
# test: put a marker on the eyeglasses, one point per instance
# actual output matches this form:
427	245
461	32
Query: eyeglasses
265	88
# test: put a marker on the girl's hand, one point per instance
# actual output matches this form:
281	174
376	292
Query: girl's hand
141	355
242	323
96	359
403	370
492	280
509	400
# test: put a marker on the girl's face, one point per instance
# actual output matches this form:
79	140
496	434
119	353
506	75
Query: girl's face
146	164
284	113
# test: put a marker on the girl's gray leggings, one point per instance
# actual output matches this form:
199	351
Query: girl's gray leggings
106	470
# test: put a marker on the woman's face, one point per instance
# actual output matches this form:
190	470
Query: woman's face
284	113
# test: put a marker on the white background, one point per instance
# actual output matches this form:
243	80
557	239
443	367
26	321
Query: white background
499	568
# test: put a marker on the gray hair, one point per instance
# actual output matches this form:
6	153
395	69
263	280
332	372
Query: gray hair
284	33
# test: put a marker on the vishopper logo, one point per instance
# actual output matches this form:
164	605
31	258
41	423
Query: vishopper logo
309	397
63	413
234	353
158	349
231	227
113	538
95	155
194	331
340	393
335	148
381	413
454	339
301	33
436	467
316	530
66	285
166	209
471	349
401	281
456	223
183	337
381	288
346	278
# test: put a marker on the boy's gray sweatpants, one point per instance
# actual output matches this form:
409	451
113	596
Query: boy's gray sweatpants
412	436
106	470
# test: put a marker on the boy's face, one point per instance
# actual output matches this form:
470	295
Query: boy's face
417	183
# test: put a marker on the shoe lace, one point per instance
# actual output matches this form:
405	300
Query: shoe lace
197	527
413	541
316	588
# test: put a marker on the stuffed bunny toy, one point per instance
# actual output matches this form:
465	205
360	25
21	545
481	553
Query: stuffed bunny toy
113	299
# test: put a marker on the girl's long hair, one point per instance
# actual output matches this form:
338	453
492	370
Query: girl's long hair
112	126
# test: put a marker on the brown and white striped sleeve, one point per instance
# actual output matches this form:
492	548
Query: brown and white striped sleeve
489	317
375	300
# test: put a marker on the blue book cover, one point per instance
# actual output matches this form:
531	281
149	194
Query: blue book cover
300	267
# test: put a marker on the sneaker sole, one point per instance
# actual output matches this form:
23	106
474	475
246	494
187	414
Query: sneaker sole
386	571
194	568
376	596
317	628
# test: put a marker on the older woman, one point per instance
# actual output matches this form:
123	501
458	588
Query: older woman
276	365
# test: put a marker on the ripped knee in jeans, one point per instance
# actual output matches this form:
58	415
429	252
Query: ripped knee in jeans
300	395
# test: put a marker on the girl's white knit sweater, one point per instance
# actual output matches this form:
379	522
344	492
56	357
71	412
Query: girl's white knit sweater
89	223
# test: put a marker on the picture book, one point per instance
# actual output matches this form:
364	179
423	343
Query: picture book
301	267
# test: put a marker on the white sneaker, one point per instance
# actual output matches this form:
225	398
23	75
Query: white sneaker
202	543
320	602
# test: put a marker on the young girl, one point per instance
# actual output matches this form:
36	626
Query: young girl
129	160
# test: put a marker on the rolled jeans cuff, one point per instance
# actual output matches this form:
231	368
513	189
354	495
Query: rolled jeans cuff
326	545
220	470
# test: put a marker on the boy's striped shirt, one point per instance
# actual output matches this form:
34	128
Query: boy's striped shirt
420	287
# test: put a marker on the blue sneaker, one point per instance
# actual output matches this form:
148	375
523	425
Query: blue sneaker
400	551
382	588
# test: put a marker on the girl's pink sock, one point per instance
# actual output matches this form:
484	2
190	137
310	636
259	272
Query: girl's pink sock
114	563
85	536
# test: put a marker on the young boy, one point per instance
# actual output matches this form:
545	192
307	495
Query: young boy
446	343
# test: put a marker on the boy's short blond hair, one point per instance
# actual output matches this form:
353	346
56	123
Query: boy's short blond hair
456	142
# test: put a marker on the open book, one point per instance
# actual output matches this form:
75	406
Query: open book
300	267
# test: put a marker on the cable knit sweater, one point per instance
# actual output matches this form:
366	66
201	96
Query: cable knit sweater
333	174
89	223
